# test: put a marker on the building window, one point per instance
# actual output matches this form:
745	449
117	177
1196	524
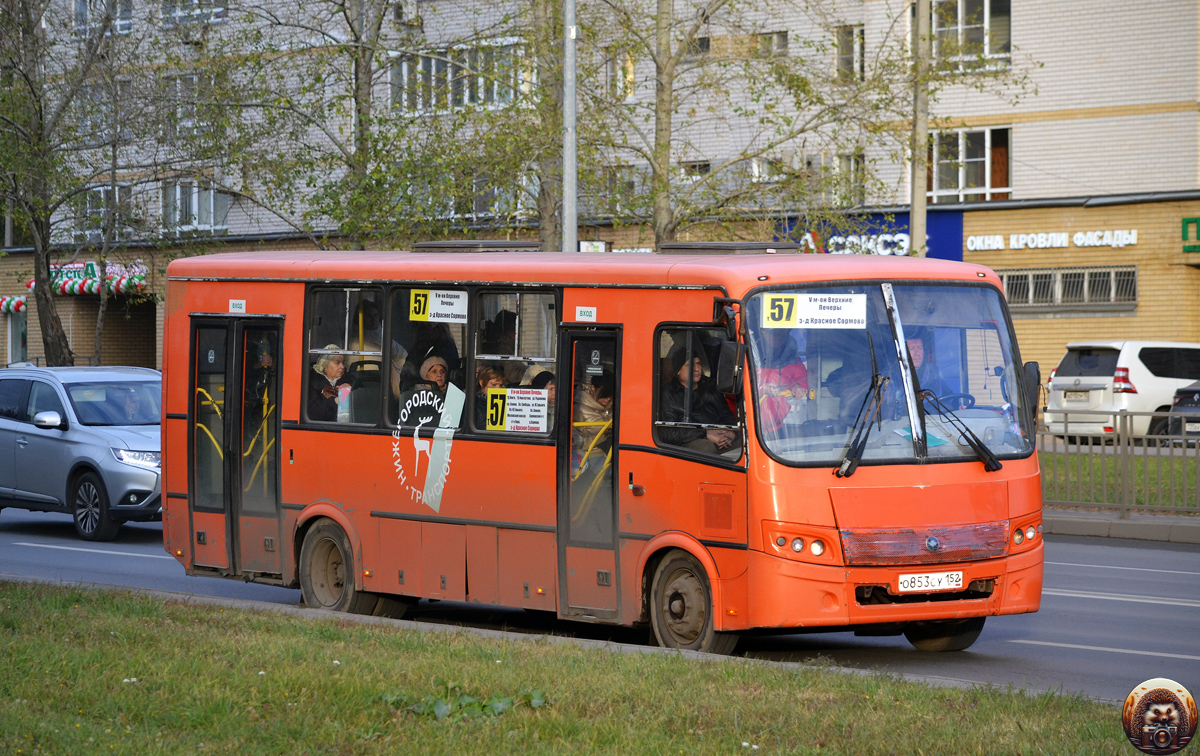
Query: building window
1070	287
695	170
91	16
100	112
771	45
969	166
852	177
698	47
176	12
767	170
619	72
191	205
442	80
973	34
102	207
851	57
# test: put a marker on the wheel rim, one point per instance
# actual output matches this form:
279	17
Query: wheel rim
684	607
329	572
87	507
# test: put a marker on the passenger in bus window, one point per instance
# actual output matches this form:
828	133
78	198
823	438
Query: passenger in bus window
708	407
781	376
594	409
434	373
325	388
487	377
545	381
431	340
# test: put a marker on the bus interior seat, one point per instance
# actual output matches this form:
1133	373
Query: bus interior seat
364	403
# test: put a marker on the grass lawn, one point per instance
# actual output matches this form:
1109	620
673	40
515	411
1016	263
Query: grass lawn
91	672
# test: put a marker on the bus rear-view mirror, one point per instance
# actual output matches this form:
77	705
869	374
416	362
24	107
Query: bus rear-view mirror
729	367
1033	382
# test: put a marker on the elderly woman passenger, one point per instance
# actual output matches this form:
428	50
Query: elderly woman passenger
323	388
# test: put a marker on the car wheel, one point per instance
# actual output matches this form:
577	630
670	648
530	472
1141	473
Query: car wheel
90	509
327	572
950	635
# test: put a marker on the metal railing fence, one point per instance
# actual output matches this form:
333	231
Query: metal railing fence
1094	459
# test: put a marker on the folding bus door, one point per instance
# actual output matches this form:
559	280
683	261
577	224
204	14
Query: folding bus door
234	429
588	468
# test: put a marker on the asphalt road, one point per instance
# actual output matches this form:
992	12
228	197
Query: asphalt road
1114	612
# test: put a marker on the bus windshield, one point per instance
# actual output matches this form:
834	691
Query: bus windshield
837	371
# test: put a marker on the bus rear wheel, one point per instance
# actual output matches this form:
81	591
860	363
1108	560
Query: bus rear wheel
947	635
681	607
327	572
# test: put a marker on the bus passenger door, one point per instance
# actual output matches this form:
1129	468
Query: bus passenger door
235	445
588	470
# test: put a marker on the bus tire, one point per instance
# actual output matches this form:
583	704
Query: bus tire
327	571
949	635
393	607
681	607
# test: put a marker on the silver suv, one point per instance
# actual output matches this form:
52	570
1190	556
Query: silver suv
83	441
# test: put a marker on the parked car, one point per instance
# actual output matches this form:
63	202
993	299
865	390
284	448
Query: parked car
83	441
1184	420
1109	376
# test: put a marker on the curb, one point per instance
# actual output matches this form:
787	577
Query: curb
1141	527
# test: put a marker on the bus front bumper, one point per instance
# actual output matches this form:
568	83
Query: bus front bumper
788	594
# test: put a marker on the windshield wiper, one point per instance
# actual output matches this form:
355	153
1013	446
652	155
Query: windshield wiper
872	411
990	462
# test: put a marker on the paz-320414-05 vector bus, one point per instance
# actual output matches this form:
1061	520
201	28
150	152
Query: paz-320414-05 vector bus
705	443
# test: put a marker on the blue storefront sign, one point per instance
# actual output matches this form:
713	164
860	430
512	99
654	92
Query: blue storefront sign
882	234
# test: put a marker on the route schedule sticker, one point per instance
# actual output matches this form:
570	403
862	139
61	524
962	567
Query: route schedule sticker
521	410
815	311
434	306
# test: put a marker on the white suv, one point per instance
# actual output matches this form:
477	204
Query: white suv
1109	376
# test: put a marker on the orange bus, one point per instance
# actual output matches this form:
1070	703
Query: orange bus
706	442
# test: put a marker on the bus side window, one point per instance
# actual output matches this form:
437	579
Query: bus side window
691	413
515	342
424	354
345	337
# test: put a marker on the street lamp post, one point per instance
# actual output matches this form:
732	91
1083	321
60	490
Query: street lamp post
570	219
920	132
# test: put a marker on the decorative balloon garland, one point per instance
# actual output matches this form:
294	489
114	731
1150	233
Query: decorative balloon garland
116	285
9	305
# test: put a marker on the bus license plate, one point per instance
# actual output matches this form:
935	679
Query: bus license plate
930	581
1191	427
1076	396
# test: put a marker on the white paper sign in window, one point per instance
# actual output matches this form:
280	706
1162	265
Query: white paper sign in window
522	410
436	306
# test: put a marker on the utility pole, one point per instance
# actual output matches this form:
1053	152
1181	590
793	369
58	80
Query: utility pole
920	133
570	215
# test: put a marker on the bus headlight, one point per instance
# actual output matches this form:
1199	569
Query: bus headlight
781	542
1030	533
797	545
817	548
1019	537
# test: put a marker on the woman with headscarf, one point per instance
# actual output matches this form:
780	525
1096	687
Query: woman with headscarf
323	388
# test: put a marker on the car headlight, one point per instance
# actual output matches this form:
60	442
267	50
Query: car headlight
139	458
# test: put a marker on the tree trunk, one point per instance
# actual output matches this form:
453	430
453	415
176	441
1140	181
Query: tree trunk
664	104
54	338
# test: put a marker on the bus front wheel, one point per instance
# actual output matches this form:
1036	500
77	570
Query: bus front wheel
948	635
681	607
327	572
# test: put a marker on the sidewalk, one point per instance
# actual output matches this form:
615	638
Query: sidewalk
1148	527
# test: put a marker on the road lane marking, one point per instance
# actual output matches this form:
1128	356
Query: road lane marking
1111	567
1109	650
93	551
1121	597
